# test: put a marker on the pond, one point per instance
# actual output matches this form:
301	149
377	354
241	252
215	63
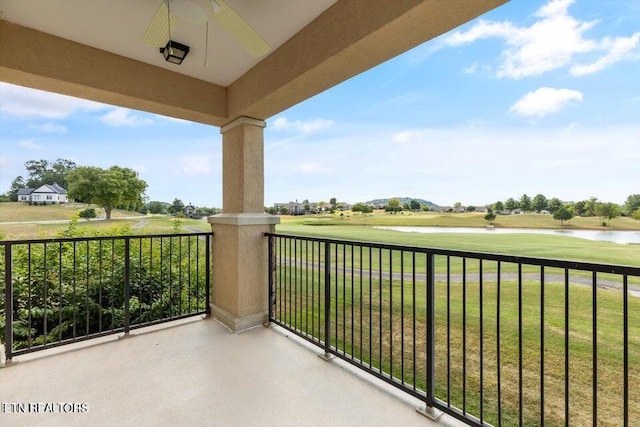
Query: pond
623	237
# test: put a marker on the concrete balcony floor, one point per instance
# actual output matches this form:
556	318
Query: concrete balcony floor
196	373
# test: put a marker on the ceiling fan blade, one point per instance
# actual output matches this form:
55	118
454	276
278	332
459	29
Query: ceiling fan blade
157	33
239	29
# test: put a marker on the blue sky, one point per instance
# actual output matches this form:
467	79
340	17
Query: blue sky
533	97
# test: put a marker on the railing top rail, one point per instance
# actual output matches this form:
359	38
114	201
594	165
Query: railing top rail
516	259
92	238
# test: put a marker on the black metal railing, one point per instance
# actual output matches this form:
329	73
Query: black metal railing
488	339
59	291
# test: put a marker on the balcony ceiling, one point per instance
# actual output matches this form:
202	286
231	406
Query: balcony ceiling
118	26
94	49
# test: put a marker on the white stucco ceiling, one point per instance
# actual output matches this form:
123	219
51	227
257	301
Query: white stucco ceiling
118	26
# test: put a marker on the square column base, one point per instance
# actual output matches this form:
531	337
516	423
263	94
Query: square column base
239	297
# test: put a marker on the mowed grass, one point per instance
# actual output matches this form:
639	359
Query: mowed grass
141	225
532	245
21	212
471	219
373	321
387	333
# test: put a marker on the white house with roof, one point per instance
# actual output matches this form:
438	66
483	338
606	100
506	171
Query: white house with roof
47	194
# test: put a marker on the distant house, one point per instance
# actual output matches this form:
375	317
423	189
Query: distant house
292	208
47	194
24	194
190	211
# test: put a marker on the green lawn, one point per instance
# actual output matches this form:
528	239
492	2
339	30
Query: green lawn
380	333
534	245
21	212
459	220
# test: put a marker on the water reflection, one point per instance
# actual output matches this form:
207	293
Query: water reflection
623	237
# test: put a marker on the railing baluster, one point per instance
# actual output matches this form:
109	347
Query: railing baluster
431	331
127	285
270	279
464	335
8	303
566	347
520	391
327	298
60	299
31	295
481	289
625	349
542	324
207	280
498	350
594	289
448	331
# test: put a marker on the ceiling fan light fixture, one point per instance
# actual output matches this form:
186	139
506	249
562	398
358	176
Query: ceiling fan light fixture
174	52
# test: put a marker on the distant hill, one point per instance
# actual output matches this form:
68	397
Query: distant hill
403	200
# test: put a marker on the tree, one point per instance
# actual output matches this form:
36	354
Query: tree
525	203
632	204
88	214
333	202
176	207
590	206
16	184
579	208
367	209
490	216
393	205
111	188
563	214
607	211
414	205
471	208
539	202
456	206
498	207
271	210
510	204
555	204
636	214
42	172
358	207
156	207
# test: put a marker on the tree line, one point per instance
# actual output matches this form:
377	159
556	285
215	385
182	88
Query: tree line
564	211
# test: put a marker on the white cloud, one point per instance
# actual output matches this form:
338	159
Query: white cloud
28	103
121	117
306	126
556	39
543	101
49	128
406	136
196	164
618	49
29	144
471	69
312	168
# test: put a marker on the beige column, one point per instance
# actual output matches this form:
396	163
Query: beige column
240	251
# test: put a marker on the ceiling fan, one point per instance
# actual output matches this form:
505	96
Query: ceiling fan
172	12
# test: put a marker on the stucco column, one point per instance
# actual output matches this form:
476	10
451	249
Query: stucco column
240	251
